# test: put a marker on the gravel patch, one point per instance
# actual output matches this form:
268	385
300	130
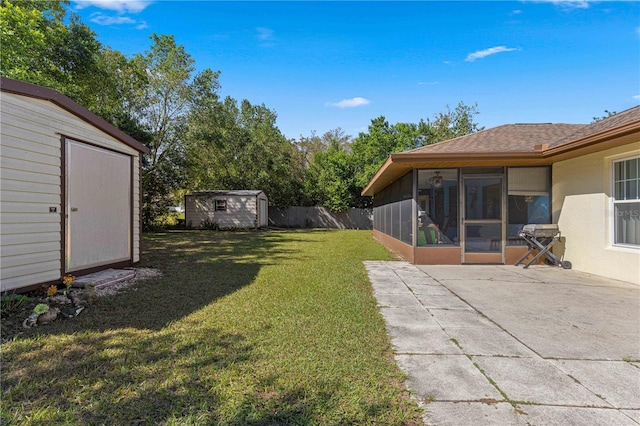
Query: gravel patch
141	274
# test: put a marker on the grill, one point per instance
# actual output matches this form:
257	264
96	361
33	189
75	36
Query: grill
540	231
540	238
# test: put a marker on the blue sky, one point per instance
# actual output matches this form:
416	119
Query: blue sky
324	65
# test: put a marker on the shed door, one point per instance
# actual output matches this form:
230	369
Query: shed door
98	207
263	211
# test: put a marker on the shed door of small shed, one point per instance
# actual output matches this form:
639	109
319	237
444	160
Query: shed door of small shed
98	206
263	211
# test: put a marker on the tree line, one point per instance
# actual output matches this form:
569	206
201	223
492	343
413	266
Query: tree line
197	139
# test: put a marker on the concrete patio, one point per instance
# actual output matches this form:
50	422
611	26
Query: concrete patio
503	345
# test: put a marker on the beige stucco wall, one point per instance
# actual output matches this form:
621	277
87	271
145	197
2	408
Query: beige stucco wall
30	183
583	210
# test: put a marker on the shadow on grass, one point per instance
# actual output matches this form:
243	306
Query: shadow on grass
124	376
125	338
198	267
151	355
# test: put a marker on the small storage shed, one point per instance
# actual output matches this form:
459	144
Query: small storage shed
227	209
70	189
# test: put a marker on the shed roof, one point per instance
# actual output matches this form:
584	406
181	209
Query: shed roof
10	85
513	145
238	192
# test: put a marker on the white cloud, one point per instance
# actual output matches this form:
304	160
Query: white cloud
431	83
567	4
265	37
264	34
488	52
636	97
120	6
100	19
351	103
572	4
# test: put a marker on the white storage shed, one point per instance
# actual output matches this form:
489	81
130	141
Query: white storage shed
70	189
227	209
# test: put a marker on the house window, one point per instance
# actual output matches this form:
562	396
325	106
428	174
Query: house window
528	200
626	202
221	205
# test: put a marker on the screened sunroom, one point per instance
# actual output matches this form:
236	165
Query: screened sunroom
462	215
464	201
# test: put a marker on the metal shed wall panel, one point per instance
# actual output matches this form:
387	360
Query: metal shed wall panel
241	210
30	171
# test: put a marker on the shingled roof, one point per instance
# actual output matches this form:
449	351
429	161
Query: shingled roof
616	121
514	145
505	138
525	137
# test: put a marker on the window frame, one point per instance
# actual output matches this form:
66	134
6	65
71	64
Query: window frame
513	234
616	202
220	205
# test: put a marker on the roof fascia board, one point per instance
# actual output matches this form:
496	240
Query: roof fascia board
379	173
17	87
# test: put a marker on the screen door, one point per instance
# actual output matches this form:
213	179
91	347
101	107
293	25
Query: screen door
483	238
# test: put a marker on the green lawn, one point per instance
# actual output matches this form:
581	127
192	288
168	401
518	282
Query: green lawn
244	328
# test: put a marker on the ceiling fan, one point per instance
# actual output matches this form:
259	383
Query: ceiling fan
436	180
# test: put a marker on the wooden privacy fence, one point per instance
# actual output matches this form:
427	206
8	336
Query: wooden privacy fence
320	217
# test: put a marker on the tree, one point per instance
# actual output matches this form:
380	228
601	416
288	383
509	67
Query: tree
238	146
314	144
329	179
160	104
43	45
371	149
607	114
266	163
450	124
297	168
27	30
